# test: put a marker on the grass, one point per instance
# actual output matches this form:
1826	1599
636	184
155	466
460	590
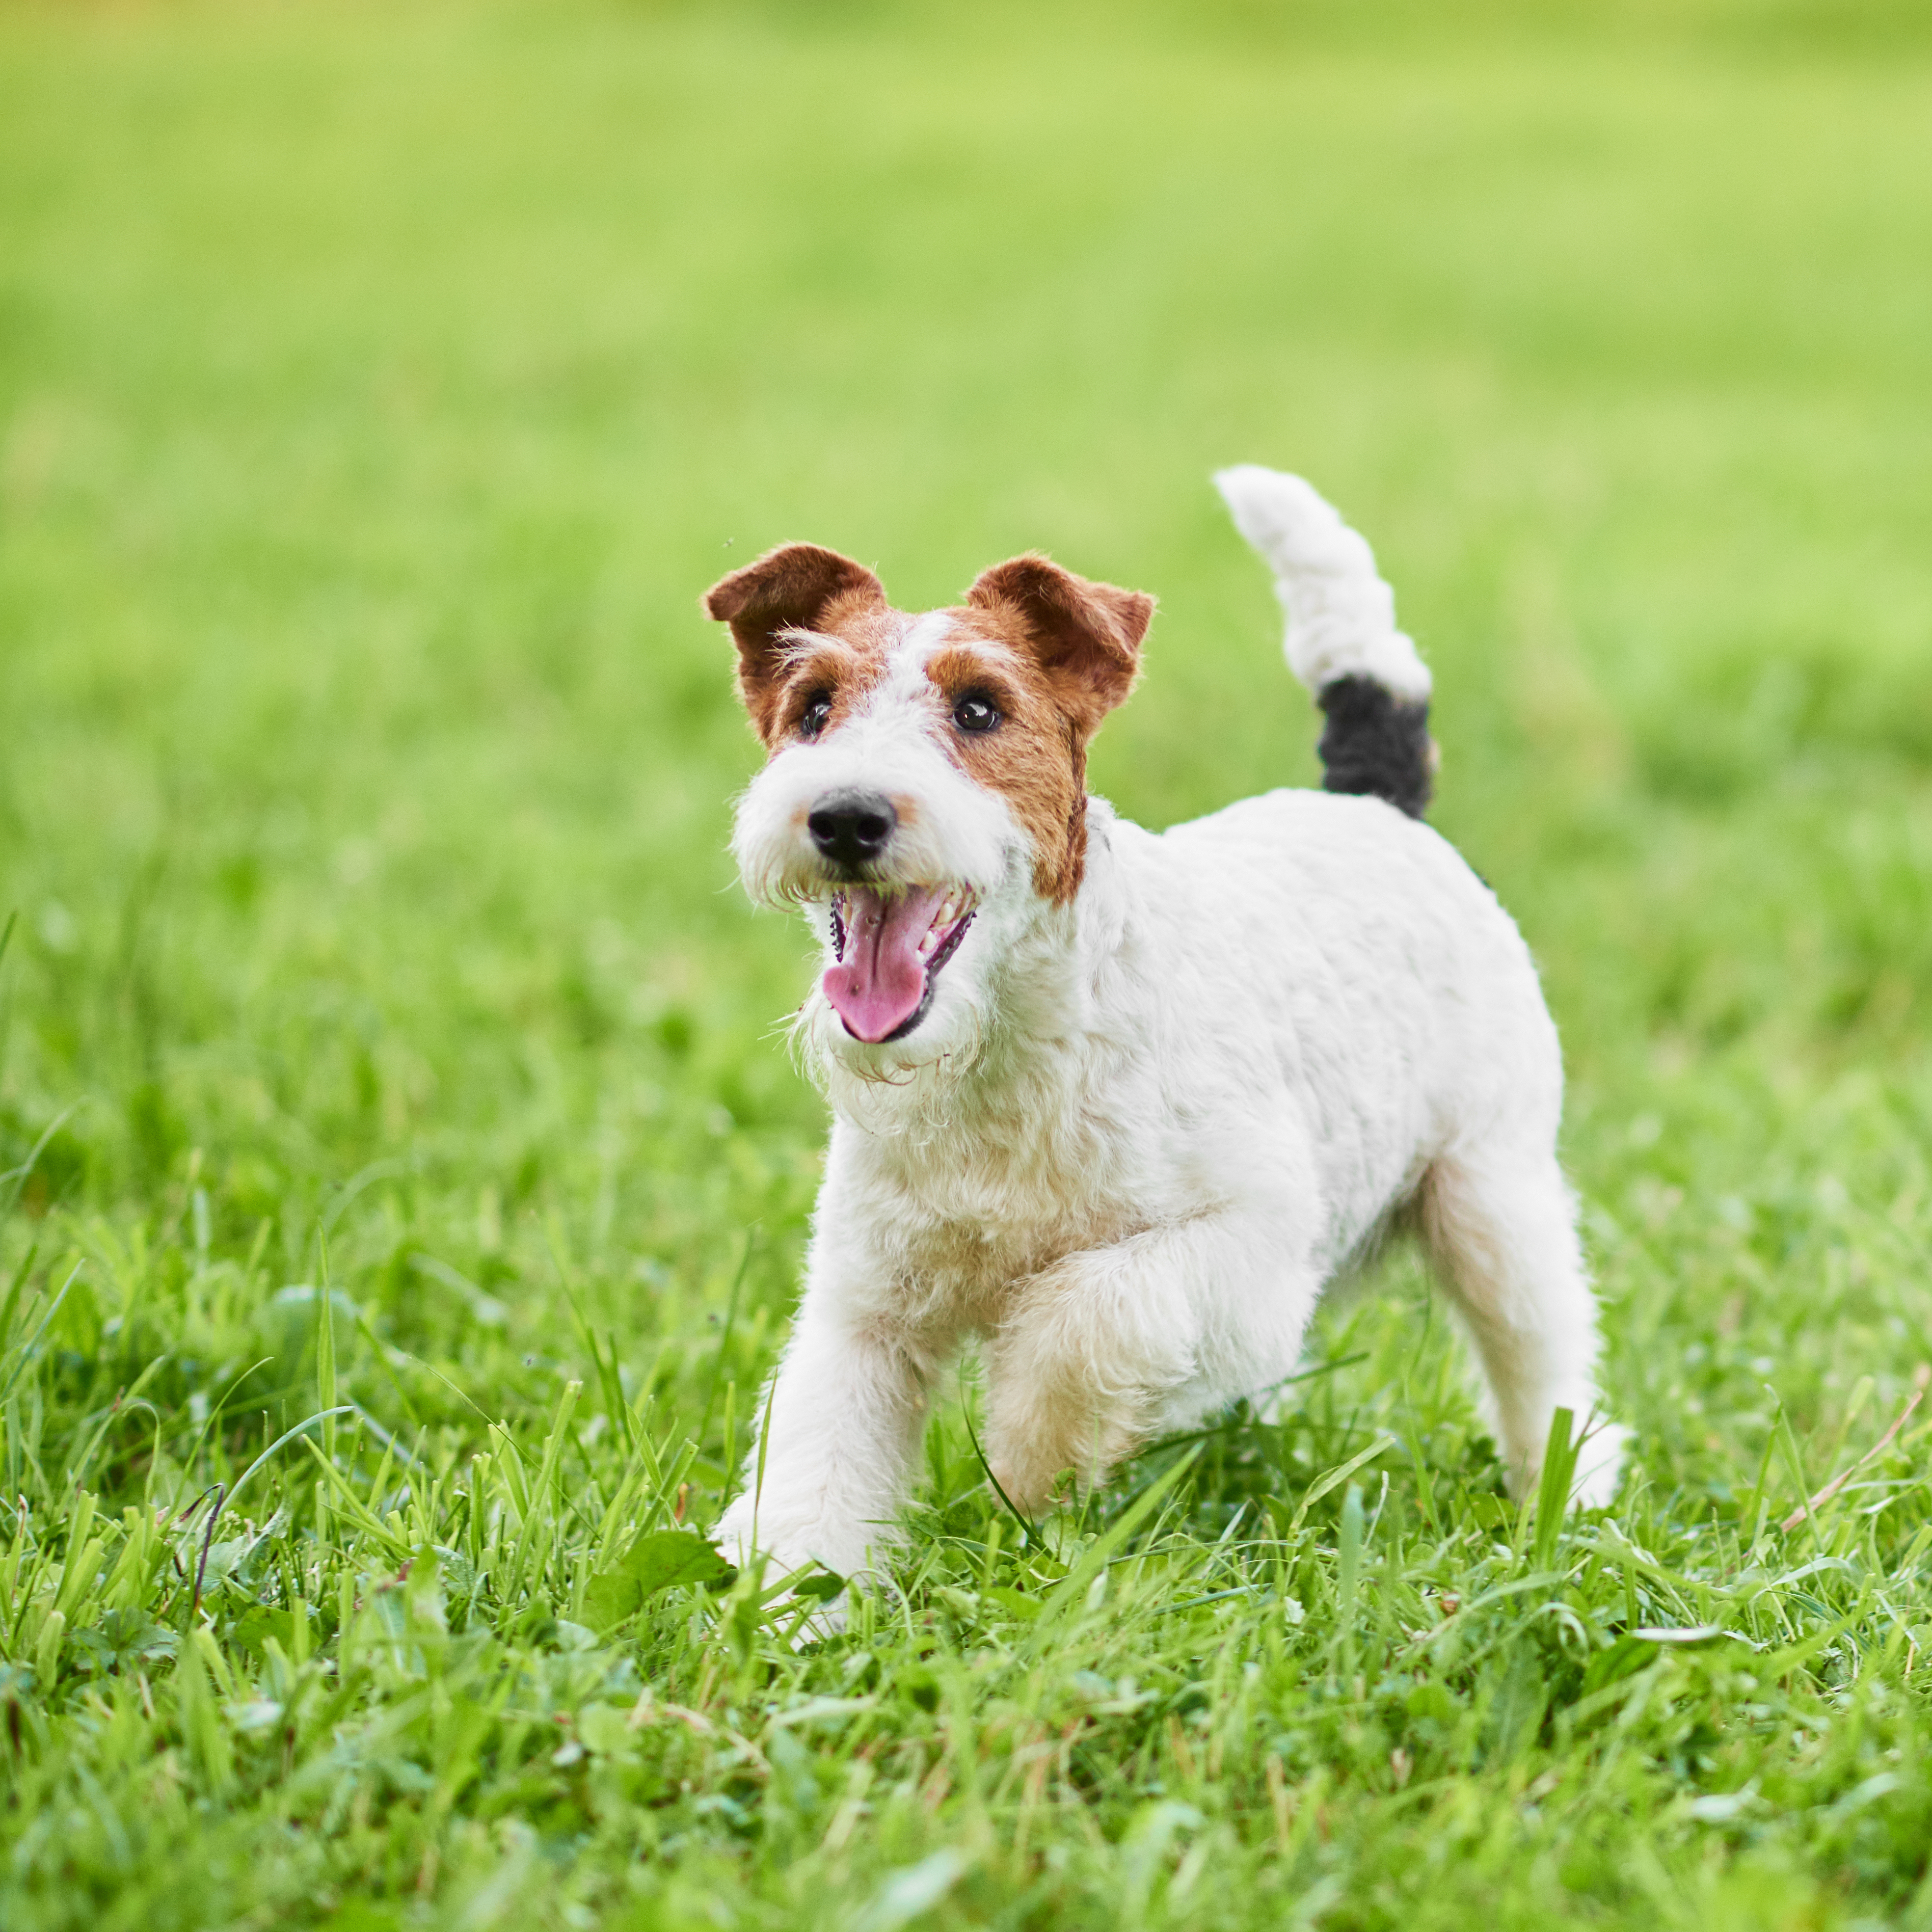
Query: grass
404	1192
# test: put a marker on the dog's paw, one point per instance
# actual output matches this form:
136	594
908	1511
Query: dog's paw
1600	1463
733	1535
784	1546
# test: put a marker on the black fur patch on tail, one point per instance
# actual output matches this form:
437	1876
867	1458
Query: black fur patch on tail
1376	743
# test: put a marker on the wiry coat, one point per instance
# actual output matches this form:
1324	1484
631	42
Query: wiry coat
1158	1090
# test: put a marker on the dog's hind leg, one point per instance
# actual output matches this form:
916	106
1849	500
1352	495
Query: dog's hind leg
1501	1227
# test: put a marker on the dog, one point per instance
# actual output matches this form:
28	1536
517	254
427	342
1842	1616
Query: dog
1119	1104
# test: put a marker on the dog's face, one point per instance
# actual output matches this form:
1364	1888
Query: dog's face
925	789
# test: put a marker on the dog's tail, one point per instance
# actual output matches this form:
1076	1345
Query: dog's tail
1342	641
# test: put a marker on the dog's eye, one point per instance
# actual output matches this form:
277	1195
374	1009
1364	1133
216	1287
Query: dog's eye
975	714
817	711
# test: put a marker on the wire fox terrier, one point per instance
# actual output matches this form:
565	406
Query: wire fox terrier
1121	1104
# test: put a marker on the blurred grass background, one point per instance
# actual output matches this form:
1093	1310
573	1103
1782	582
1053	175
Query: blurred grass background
380	387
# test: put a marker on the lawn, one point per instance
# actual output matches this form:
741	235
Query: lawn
386	1056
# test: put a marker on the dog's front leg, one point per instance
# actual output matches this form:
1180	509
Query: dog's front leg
839	1422
1110	1346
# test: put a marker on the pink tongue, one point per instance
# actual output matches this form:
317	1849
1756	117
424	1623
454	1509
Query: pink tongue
878	984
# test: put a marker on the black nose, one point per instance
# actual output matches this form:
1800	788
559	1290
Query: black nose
851	828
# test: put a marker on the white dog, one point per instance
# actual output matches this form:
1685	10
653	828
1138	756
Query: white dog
1120	1104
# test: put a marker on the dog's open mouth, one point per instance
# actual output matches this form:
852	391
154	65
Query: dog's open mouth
890	948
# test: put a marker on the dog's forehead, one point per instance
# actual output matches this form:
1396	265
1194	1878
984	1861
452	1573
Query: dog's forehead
893	651
913	637
921	637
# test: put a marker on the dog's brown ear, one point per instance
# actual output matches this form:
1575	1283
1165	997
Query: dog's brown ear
1086	636
797	586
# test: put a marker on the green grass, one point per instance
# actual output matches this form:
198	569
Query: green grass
378	387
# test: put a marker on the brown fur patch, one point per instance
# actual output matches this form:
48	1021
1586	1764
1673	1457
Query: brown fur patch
1070	653
1085	636
1034	757
815	664
796	587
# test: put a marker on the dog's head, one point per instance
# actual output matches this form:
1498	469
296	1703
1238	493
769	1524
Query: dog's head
926	788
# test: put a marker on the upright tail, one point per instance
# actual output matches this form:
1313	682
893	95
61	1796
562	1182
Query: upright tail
1342	641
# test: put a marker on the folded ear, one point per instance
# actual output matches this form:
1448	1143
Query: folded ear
797	586
1086	635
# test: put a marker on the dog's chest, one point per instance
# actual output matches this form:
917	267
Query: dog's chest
966	1215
